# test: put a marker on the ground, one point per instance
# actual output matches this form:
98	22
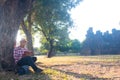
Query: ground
73	68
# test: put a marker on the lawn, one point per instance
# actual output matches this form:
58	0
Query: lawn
73	68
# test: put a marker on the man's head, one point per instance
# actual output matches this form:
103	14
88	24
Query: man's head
23	42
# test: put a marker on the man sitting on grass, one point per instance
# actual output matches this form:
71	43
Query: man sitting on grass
23	57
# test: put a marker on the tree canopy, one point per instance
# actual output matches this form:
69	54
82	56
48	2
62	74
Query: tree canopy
54	20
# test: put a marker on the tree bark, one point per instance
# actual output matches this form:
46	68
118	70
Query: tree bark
12	13
50	53
29	36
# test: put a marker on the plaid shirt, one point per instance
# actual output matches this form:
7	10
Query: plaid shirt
18	53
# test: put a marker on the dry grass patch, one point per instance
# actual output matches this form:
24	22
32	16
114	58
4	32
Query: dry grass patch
72	68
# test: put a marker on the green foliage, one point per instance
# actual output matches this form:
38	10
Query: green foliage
69	46
44	46
75	46
44	51
53	20
63	45
54	11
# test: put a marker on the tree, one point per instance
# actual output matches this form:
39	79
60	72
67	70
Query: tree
53	38
12	13
88	46
53	19
75	46
98	43
27	28
101	43
64	45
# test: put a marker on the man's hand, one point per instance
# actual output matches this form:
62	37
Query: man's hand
27	53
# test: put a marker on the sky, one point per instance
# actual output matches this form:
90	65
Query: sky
36	37
100	14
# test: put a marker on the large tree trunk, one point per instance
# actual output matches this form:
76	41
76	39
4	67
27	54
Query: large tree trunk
12	13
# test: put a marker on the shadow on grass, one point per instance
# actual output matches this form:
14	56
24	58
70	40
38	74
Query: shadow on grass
85	76
31	76
76	75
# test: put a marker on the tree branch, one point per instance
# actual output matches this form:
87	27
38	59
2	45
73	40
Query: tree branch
43	33
24	26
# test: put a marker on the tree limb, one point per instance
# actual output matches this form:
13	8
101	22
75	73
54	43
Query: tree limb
43	33
24	26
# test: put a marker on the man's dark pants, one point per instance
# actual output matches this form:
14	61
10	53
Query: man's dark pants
28	60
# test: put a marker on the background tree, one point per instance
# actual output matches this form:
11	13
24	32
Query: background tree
101	43
107	43
88	46
54	20
98	43
64	45
75	46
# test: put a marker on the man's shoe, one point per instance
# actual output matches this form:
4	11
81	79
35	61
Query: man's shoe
38	70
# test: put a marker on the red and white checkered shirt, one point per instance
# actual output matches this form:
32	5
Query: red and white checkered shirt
18	52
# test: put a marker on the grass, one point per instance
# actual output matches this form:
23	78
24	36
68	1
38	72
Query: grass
74	59
47	74
60	68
